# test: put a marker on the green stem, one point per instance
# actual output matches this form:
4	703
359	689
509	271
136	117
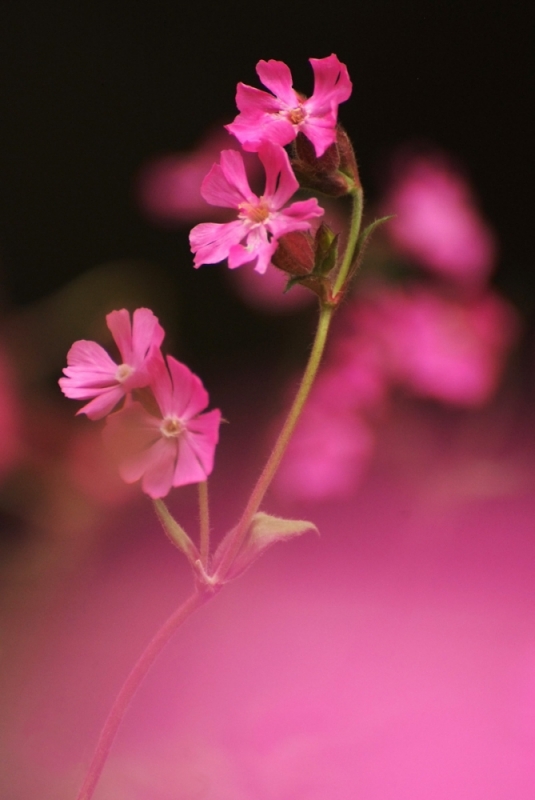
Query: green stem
130	686
204	519
274	460
354	230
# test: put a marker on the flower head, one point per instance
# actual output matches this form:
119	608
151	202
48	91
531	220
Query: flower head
92	373
280	116
261	220
173	444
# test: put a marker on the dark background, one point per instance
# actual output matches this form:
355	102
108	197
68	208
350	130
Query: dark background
90	91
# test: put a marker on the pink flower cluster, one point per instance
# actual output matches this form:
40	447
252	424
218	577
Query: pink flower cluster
160	434
265	124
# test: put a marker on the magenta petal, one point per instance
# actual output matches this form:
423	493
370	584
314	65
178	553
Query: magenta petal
251	101
189	395
234	171
281	183
321	131
252	130
276	76
211	241
331	83
226	184
296	217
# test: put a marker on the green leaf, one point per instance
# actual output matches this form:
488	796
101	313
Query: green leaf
175	532
265	531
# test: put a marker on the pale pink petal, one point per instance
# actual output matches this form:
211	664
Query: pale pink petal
89	365
226	184
189	395
103	403
281	183
332	84
121	329
211	241
276	76
203	435
159	474
162	385
147	333
188	468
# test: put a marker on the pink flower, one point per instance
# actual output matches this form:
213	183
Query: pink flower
261	220
436	220
278	118
173	444
449	350
91	372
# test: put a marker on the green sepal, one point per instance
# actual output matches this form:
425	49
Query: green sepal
326	254
364	235
175	532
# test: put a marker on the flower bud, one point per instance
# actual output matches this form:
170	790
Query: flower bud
334	173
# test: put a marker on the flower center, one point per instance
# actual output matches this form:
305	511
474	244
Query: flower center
171	427
254	212
123	372
296	115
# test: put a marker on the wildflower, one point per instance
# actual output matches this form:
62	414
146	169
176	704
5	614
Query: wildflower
261	220
92	373
281	116
172	443
436	221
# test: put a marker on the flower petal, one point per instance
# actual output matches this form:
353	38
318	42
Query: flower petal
276	76
121	329
103	403
226	184
281	183
146	334
211	241
332	84
189	395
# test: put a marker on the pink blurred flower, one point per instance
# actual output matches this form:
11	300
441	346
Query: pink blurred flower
91	373
326	455
436	220
279	117
169	188
446	349
174	443
261	220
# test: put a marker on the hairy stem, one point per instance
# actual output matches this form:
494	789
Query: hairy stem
204	520
277	453
130	686
354	230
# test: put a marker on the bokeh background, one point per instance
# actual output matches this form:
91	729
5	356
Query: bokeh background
393	657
